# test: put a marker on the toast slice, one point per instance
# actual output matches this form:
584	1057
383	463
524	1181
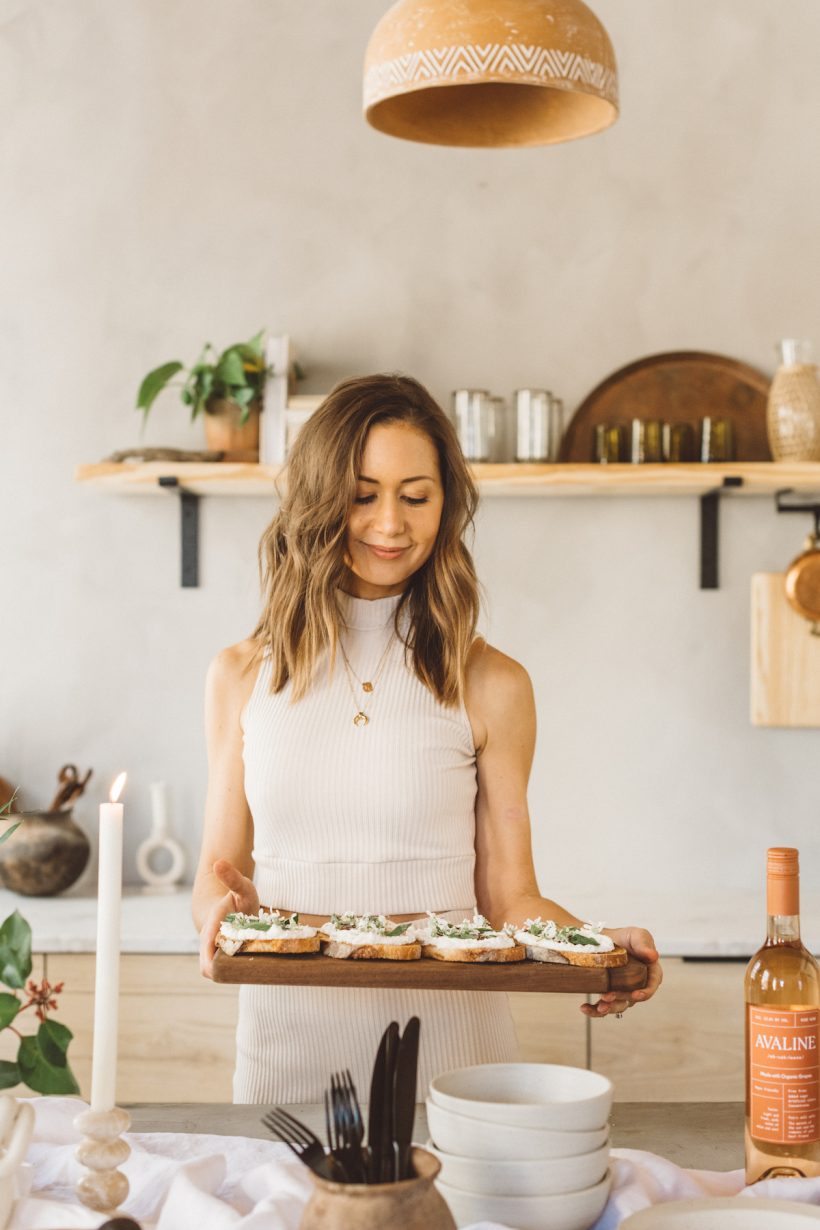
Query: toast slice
589	960
268	931
371	952
582	945
279	946
471	940
369	937
516	953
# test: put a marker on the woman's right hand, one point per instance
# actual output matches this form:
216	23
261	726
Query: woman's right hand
241	898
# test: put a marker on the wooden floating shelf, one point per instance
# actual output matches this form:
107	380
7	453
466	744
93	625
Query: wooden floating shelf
512	479
426	975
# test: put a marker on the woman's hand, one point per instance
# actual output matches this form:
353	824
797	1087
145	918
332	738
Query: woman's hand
639	944
241	898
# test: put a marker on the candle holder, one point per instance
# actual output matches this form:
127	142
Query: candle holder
102	1149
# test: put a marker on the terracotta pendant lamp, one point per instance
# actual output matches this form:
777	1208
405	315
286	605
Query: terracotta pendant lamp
490	72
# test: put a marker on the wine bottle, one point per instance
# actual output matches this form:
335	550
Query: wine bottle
782	1037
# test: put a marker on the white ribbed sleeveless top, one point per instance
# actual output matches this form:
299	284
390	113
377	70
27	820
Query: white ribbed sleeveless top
377	818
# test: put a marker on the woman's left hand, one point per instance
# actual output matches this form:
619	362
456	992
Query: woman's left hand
639	944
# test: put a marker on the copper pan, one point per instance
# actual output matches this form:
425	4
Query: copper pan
803	580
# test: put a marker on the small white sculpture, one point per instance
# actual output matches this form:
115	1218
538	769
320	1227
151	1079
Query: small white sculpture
160	839
16	1129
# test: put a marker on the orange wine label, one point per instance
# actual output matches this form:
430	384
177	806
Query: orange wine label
784	1075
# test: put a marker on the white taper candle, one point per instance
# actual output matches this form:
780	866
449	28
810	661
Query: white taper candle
107	971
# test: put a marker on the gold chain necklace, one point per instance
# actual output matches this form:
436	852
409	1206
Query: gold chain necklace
367	685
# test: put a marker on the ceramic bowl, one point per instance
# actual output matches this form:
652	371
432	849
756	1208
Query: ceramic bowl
465	1137
570	1211
526	1095
541	1177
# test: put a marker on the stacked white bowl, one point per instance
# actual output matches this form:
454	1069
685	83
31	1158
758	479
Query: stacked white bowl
523	1144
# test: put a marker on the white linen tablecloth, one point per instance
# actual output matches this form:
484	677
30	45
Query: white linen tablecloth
199	1182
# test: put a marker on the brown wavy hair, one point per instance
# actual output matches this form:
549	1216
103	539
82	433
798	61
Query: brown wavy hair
302	554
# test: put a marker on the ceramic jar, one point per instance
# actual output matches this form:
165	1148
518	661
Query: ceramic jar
793	412
413	1204
45	856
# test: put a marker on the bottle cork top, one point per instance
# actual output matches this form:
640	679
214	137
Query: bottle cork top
783	881
783	861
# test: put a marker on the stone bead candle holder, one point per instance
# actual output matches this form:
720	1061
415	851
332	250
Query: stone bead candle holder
102	1149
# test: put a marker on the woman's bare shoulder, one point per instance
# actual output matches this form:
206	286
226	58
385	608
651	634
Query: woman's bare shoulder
230	672
489	670
498	691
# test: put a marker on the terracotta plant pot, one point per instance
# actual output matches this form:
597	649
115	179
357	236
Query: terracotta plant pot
413	1204
45	856
223	431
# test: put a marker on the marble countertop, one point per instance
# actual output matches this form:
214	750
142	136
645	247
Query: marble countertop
151	922
726	924
698	1135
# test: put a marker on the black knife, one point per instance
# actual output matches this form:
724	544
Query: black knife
387	1155
377	1126
404	1098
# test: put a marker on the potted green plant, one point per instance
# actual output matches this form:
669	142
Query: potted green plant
226	388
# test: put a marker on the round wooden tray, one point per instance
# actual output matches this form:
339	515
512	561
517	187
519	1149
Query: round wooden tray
681	386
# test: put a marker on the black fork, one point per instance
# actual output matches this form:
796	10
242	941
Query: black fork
304	1143
348	1125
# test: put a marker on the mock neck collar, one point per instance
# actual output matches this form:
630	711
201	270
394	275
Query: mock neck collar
366	612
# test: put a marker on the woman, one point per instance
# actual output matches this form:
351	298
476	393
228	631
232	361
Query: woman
367	751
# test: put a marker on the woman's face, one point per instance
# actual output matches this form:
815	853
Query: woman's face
394	519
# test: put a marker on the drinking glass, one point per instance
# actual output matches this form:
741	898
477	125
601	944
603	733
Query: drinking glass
556	427
646	439
474	417
609	444
717	442
533	422
678	442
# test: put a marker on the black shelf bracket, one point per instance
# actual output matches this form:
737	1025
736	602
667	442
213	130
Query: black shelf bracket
709	518
802	504
189	530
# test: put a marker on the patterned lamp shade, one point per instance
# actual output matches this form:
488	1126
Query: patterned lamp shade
490	72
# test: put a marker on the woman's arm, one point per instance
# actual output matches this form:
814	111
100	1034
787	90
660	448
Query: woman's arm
224	877
501	708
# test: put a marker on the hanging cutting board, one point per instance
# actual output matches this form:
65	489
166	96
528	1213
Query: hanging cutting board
785	658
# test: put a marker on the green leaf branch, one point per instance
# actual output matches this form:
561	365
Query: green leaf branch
42	1058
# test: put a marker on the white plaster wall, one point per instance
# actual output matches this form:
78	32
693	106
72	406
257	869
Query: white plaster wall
176	172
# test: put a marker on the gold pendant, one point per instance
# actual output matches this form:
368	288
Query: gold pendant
367	686
361	719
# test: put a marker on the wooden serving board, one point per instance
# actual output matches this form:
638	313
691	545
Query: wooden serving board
263	969
677	386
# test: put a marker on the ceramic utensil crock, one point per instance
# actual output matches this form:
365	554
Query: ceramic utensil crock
413	1204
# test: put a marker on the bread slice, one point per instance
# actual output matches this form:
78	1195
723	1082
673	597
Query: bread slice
479	953
281	947
589	960
371	952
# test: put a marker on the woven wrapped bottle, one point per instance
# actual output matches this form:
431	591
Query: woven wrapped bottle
793	412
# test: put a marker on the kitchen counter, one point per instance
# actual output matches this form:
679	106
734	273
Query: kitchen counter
695	1135
151	922
726	924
